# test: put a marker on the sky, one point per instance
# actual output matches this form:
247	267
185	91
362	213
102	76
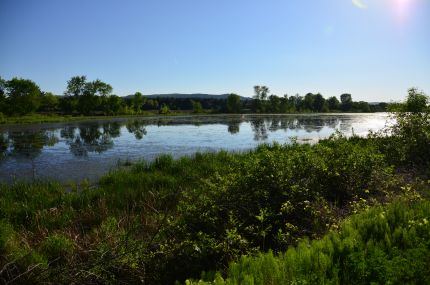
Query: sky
372	49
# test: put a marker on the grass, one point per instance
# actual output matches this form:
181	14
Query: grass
383	245
53	118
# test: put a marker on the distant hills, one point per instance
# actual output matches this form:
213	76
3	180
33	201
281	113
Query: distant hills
189	96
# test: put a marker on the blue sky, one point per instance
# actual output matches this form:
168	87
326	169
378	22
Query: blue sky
373	49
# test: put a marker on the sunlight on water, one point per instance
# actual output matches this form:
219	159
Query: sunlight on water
81	150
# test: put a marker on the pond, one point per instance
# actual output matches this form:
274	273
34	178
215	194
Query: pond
86	150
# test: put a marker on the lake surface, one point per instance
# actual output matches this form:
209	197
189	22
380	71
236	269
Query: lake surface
86	150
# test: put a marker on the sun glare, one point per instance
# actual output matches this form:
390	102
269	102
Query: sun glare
402	9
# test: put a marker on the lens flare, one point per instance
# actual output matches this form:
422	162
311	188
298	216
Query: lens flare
402	9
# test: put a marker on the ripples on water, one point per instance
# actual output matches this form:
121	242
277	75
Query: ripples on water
85	150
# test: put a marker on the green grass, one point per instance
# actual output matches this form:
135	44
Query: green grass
52	118
383	245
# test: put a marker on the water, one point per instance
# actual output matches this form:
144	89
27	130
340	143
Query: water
86	150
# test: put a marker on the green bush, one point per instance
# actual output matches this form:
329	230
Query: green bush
407	141
56	246
385	245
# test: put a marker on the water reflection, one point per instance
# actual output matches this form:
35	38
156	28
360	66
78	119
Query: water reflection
136	127
100	141
26	144
233	126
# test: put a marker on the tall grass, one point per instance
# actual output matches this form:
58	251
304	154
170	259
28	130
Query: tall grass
383	245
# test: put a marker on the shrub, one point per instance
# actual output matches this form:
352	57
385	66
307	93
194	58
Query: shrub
57	246
385	245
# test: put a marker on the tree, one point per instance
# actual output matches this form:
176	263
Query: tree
197	106
309	101
2	95
138	102
319	103
233	103
24	96
416	101
49	101
275	103
97	88
164	109
113	104
333	103
76	86
260	96
346	102
87	93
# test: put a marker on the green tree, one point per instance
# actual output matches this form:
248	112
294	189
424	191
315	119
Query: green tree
50	102
416	102
261	93
76	86
319	103
309	101
346	102
24	96
197	106
275	103
88	93
113	104
164	109
361	106
333	103
2	95
233	103
138	101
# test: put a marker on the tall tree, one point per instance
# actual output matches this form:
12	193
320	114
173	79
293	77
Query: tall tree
416	102
233	103
49	102
309	101
76	86
319	103
138	102
24	96
2	95
333	103
346	102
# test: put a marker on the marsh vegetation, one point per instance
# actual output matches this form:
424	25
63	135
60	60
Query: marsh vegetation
277	214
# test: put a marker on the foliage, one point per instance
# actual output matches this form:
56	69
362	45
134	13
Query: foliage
408	139
197	107
84	97
233	103
164	109
23	96
384	245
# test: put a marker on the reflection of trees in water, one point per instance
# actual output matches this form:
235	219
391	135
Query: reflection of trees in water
274	124
307	123
137	128
4	145
259	128
90	138
98	137
26	145
233	126
29	144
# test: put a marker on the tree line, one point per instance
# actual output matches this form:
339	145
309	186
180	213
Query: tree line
20	96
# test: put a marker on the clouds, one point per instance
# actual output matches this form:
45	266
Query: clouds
359	4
